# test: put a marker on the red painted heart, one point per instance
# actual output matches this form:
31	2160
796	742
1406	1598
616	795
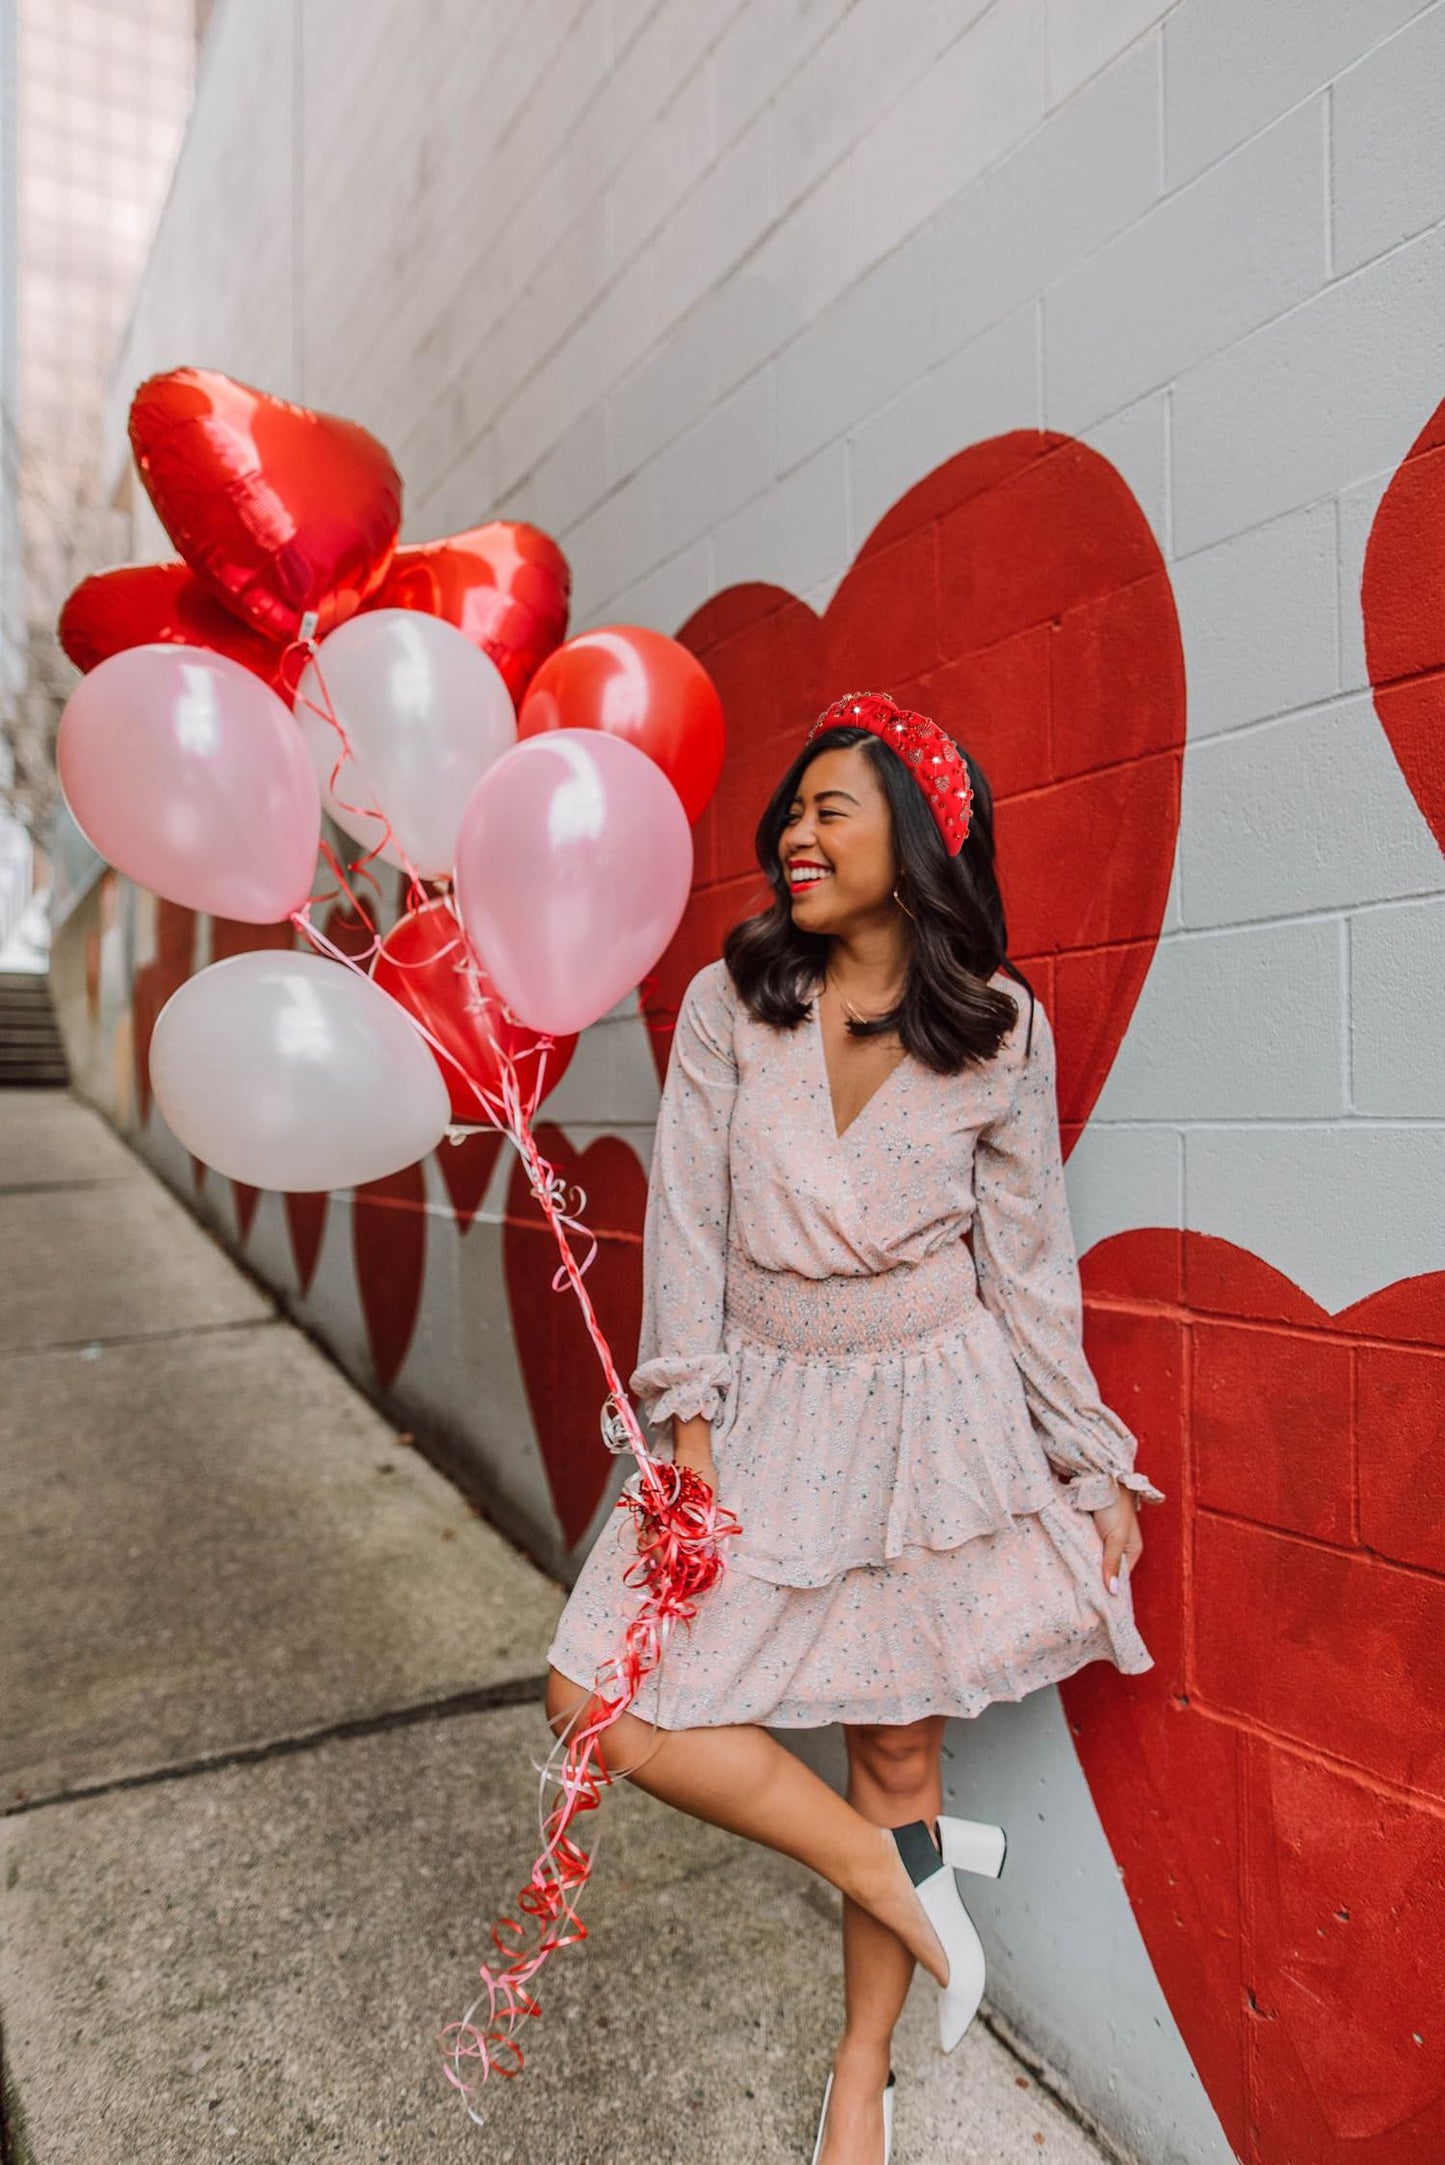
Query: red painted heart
1018	596
1402	597
565	1387
388	1245
146	604
278	510
1274	1788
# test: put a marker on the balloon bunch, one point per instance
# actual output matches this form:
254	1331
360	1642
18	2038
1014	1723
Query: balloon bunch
536	794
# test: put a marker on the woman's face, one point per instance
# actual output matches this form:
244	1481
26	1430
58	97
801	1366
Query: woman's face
837	844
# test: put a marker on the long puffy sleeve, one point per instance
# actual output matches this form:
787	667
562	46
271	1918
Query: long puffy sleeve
1028	1276
682	1367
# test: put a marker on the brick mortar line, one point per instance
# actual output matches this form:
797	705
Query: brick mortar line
485	1698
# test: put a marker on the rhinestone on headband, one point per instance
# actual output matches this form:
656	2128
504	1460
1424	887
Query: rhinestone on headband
928	751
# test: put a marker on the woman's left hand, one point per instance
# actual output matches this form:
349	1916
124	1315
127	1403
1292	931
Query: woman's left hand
1118	1523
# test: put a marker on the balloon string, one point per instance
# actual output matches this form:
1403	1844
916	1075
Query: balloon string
680	1526
306	646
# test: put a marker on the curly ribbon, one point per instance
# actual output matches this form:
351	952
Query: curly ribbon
680	1531
681	1528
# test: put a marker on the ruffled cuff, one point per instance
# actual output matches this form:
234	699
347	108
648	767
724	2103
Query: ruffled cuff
1096	1491
682	1389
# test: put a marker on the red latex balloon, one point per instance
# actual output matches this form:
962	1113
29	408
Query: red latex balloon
506	585
279	510
417	964
638	684
149	604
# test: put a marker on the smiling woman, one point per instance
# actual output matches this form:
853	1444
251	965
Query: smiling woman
936	1507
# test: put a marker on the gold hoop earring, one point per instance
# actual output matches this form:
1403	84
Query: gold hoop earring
903	905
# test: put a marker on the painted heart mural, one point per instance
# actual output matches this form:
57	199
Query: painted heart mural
1019	597
1274	1788
559	1364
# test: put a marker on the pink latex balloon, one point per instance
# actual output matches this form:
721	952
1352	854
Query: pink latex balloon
574	866
288	1071
190	775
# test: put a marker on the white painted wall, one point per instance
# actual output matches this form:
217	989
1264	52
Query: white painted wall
703	286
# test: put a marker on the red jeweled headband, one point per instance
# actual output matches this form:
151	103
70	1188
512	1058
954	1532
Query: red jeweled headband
928	752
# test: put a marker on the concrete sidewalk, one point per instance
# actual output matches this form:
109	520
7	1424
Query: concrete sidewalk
268	1717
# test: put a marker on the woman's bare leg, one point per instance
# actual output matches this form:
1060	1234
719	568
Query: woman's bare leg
893	1777
741	1778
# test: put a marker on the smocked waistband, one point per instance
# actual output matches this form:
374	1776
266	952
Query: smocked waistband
847	1317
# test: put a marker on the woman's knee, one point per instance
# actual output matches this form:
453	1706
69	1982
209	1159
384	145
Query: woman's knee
897	1758
563	1699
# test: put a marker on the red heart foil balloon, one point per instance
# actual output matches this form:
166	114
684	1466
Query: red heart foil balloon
507	585
1274	1788
635	683
565	1385
427	964
1402	597
281	511
143	604
1018	596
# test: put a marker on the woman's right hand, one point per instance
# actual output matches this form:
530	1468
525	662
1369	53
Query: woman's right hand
692	1446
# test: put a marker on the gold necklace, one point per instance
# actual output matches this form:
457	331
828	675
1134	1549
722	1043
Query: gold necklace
848	1004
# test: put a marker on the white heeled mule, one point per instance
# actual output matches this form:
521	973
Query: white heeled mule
931	1870
887	2118
973	1845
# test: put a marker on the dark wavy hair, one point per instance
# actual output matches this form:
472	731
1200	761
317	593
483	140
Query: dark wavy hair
949	1017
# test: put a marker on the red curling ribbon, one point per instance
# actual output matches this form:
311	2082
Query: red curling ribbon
681	1528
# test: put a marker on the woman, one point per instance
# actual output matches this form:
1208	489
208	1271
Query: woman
937	1510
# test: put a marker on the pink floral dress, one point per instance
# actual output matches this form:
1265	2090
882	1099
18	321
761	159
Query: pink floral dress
908	1429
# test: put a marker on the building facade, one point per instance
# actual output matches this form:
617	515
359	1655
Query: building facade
1077	366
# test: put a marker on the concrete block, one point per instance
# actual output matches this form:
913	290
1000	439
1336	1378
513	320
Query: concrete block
716	468
984	389
1258	617
667	392
761	50
1341	1209
719	223
1136	441
804	262
1120	1178
977	101
1230	66
866	63
323	1573
607	342
795	533
664	161
1387	163
49	1139
663	598
573	476
1306	813
1028	220
150	1270
613	545
856	355
1245	1025
1397	1017
1355	512
1313	403
1080	41
1202	270
176	1959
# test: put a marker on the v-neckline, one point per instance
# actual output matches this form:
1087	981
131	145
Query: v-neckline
839	1134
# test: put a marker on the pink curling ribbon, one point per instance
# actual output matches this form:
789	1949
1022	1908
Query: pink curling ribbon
681	1527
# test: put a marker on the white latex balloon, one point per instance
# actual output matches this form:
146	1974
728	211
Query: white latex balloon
292	1072
425	714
